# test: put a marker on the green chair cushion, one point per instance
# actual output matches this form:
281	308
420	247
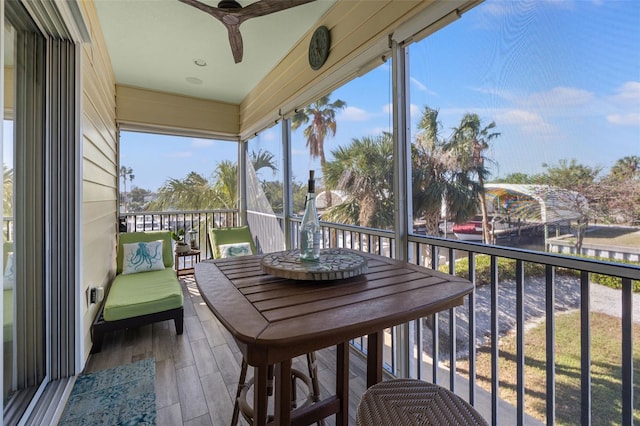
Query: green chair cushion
141	294
221	236
145	237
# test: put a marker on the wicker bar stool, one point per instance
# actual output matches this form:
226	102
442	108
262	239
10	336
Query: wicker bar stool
401	402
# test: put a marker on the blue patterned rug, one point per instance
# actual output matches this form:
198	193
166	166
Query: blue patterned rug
122	395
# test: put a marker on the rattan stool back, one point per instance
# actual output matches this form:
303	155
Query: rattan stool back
403	402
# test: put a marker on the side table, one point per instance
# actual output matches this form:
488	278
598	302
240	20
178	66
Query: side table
190	257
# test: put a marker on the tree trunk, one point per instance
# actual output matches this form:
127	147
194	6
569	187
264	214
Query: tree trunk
581	227
486	234
367	210
124	196
327	190
432	222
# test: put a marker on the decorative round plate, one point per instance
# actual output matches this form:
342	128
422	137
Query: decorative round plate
334	264
319	47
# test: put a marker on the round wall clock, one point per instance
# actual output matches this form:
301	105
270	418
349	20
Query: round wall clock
319	47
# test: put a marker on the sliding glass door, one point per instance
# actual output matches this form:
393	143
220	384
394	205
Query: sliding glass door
24	313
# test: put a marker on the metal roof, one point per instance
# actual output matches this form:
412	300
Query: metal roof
543	203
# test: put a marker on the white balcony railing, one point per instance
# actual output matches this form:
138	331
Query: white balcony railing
199	220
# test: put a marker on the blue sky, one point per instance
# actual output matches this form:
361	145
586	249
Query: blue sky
561	80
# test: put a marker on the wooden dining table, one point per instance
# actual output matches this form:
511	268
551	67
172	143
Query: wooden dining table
275	319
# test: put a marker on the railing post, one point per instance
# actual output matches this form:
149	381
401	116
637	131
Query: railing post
495	339
401	151
242	182
550	298
585	349
287	193
627	352
401	179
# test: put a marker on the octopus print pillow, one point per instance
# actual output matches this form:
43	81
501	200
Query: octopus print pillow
238	249
142	257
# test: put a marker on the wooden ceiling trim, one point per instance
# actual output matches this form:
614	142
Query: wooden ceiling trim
147	109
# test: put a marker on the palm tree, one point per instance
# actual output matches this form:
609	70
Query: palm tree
225	190
436	178
323	121
263	159
126	172
364	171
626	168
193	192
469	142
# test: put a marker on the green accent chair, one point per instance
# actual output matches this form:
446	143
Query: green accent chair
224	236
141	298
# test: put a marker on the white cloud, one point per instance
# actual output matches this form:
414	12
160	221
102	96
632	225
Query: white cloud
628	93
354	114
414	110
527	121
418	84
422	87
495	9
559	97
377	131
631	119
269	135
506	8
492	91
299	152
519	117
202	143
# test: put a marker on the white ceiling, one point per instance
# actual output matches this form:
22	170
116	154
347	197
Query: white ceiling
153	45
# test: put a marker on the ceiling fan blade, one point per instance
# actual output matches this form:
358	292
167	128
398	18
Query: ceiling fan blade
235	40
232	18
230	21
266	7
213	11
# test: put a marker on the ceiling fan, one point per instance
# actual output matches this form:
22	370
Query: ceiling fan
232	14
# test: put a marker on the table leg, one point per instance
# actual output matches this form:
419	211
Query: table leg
342	383
241	383
374	358
283	393
260	399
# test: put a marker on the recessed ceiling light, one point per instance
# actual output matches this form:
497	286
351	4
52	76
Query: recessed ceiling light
200	62
194	80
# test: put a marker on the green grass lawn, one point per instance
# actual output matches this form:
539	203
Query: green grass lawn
605	371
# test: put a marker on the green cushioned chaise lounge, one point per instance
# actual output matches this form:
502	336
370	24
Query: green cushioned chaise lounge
139	298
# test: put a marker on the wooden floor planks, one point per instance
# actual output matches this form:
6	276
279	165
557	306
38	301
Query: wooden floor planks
197	372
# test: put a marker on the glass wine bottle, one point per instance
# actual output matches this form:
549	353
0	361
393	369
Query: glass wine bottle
310	227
